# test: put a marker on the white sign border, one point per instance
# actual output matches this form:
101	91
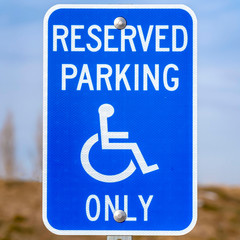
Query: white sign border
45	88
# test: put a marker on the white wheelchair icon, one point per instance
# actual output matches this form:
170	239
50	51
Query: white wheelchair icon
105	111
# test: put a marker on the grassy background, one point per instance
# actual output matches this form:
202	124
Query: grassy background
20	214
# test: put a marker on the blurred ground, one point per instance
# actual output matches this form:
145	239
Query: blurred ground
20	215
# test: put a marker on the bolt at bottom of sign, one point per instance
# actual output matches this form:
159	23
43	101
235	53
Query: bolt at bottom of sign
119	216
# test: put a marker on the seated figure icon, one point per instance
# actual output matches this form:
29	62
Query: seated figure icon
106	111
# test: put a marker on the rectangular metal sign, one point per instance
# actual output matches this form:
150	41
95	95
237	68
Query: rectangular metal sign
120	119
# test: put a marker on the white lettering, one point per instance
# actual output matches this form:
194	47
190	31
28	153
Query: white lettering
136	78
130	37
128	77
174	38
109	206
74	37
60	37
145	205
97	39
145	43
108	37
88	80
160	37
115	40
105	76
108	203
147	73
95	218
174	80
132	219
122	76
65	76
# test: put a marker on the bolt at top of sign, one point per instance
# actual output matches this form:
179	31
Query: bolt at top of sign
120	23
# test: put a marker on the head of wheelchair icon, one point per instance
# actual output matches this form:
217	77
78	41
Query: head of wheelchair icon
106	111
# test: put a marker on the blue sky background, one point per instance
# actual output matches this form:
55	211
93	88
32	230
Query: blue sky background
218	81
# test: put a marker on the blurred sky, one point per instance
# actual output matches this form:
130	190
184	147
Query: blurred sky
218	80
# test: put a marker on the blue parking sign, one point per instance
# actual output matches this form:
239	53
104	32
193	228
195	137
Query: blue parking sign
120	119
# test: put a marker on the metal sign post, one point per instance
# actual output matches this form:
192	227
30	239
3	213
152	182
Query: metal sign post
119	237
120	120
119	216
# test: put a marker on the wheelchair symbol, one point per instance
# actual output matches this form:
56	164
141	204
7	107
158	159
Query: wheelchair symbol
105	111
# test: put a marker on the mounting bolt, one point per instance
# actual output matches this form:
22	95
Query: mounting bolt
119	216
120	23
